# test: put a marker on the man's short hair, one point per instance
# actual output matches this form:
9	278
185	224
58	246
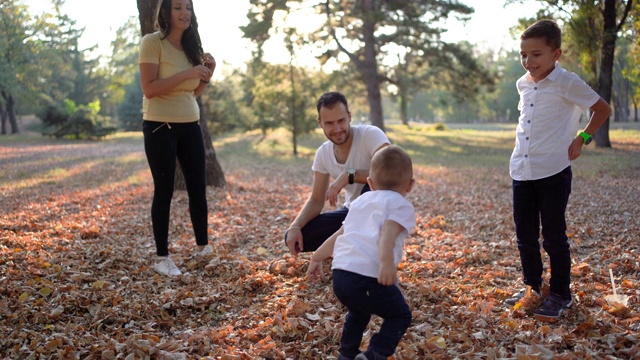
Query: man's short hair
330	99
544	29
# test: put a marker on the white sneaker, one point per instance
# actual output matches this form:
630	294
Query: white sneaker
207	250
167	267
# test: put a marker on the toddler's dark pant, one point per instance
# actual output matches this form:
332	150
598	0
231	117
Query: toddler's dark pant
162	146
320	228
364	296
537	202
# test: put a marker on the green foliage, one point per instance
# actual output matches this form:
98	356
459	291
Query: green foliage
440	127
284	96
123	65
130	109
224	107
375	37
496	102
53	113
68	120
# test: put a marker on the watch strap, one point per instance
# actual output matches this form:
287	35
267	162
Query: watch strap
586	138
352	176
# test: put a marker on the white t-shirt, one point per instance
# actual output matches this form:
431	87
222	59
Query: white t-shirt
356	250
550	113
366	140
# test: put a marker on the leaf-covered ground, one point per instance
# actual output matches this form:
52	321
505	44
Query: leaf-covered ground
76	251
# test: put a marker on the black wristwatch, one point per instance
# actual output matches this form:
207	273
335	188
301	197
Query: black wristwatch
352	175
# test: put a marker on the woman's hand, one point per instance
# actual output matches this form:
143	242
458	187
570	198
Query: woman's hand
209	61
202	73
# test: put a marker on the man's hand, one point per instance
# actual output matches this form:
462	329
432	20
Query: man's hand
335	187
294	241
575	149
388	274
314	271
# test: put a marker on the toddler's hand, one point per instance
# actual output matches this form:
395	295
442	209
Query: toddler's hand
314	271
388	274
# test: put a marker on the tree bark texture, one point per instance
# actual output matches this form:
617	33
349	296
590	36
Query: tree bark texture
369	66
601	136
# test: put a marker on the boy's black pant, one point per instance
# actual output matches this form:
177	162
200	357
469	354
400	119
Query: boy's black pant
364	296
543	202
163	143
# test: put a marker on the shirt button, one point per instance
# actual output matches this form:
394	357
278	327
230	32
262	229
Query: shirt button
529	121
531	104
527	138
535	88
526	156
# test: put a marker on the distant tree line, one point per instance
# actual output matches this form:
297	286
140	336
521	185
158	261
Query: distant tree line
404	73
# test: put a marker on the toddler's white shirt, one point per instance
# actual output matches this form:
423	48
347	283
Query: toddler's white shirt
356	250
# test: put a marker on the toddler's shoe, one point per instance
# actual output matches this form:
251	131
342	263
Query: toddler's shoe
552	307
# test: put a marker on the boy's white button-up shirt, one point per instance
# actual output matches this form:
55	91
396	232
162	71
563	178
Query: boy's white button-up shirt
550	112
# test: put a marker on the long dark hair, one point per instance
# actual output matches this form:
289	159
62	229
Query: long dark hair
190	38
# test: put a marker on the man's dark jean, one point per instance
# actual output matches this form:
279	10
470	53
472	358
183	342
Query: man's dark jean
364	296
543	202
320	228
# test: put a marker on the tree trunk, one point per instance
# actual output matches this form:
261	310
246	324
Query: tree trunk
11	113
213	170
369	65
294	123
601	136
8	112
147	15
404	104
214	173
3	120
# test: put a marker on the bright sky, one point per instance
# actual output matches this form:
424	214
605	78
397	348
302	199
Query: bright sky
220	35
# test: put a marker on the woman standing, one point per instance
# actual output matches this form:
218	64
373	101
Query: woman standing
174	70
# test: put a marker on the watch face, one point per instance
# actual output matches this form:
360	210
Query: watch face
588	141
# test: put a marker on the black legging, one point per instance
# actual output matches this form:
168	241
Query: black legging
163	143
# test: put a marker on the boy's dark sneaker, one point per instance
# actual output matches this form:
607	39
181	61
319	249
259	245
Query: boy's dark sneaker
552	308
515	298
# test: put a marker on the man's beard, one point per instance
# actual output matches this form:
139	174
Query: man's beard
346	138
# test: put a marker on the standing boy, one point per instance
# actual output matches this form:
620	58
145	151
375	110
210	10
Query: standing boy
551	103
366	252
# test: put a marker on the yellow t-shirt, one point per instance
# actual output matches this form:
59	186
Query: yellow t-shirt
180	104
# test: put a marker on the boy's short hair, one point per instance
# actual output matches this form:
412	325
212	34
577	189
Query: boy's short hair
391	167
545	29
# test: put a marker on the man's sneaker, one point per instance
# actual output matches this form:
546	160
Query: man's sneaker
167	267
552	307
515	298
207	250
